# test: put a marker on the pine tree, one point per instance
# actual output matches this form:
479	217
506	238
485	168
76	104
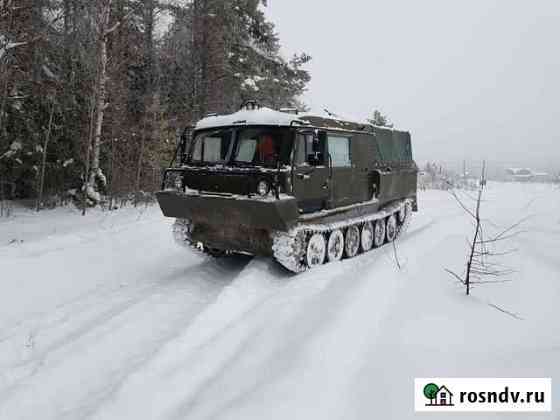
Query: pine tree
86	88
379	119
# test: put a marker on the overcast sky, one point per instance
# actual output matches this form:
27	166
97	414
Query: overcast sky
474	78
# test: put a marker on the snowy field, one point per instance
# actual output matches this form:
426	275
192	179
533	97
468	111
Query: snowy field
104	317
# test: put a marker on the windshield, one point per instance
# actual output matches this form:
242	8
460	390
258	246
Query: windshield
212	147
263	146
260	146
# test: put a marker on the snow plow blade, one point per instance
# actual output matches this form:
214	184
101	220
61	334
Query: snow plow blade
230	210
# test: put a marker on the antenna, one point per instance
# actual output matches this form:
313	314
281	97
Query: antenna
330	114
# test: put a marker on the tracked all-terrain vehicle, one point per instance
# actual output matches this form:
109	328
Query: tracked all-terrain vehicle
303	189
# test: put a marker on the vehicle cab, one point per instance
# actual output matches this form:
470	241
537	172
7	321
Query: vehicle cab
257	154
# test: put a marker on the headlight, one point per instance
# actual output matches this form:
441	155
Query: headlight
174	181
263	188
179	182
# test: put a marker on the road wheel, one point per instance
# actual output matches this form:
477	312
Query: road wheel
391	228
352	243
379	233
316	250
367	236
335	247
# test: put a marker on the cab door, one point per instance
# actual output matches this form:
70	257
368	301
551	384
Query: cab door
311	175
342	168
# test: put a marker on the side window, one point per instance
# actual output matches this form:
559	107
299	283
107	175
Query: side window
304	148
339	149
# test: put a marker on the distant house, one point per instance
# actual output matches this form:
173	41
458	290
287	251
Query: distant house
527	175
520	174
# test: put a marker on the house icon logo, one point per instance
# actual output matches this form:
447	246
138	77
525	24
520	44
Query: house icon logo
438	396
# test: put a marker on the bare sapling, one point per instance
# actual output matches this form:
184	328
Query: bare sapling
483	266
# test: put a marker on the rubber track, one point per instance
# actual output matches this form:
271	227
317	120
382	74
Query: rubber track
289	247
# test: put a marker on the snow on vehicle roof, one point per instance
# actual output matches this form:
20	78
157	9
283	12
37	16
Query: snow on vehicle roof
262	116
339	118
343	120
267	116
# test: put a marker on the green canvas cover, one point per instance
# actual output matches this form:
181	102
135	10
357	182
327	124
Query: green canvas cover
395	146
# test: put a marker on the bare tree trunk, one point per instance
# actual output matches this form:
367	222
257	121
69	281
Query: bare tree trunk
112	175
1	195
196	47
5	72
4	95
139	164
88	155
44	161
5	10
100	90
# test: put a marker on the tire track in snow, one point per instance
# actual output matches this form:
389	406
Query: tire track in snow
283	346
147	321
183	373
74	271
71	322
249	289
83	303
100	300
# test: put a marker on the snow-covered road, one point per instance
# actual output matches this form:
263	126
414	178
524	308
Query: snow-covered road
105	318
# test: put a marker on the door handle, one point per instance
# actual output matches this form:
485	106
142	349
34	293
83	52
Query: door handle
303	176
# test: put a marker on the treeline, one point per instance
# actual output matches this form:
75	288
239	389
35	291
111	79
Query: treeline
94	94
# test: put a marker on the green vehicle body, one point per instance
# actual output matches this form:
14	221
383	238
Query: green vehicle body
324	171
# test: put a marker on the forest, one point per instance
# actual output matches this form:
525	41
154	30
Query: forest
94	95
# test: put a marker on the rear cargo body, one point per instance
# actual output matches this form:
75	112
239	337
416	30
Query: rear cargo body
247	177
